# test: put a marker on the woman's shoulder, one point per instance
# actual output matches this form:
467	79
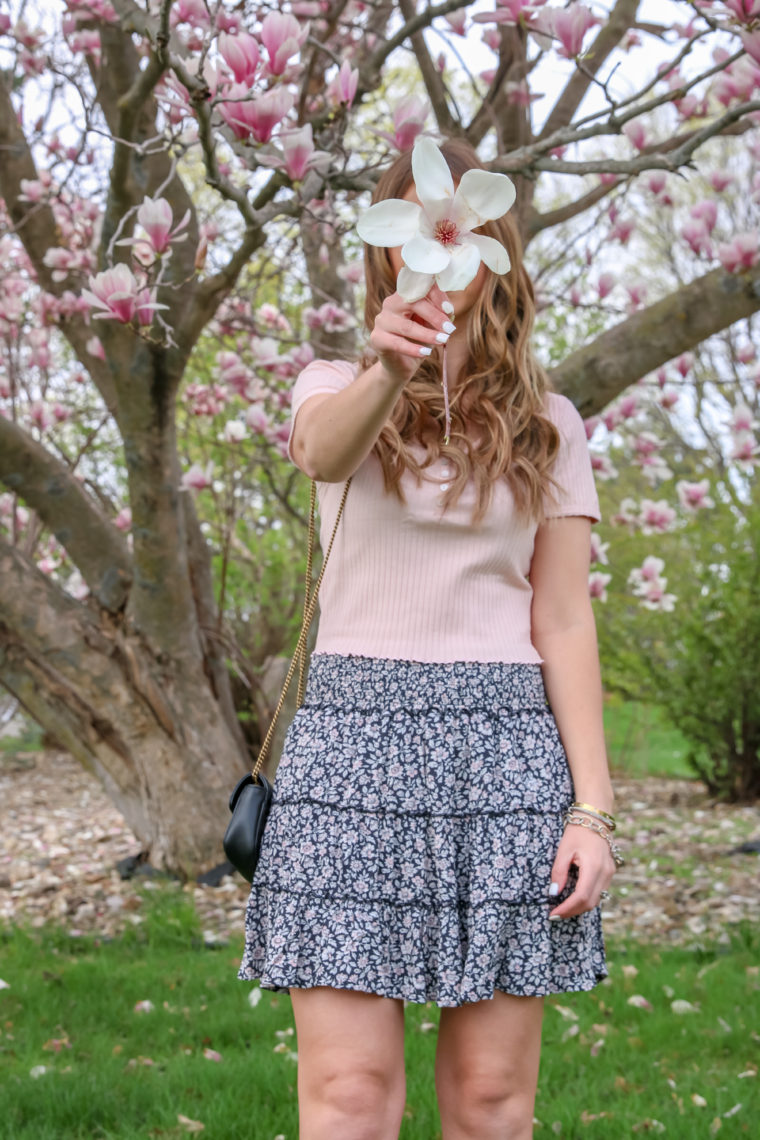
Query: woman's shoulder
563	413
343	370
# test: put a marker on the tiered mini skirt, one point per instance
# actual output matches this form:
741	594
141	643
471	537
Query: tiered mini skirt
416	814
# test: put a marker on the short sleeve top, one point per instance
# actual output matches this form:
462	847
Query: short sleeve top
411	581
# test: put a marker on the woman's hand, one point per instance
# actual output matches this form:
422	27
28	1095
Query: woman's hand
405	333
591	854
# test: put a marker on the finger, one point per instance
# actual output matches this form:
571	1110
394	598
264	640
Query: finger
390	343
424	309
560	870
438	297
584	897
410	330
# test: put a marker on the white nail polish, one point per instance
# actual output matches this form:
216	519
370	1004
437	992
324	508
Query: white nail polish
442	337
447	307
449	328
425	351
553	890
555	918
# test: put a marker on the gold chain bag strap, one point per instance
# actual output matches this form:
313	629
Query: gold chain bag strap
252	796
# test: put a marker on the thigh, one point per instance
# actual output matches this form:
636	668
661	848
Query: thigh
348	1031
496	1044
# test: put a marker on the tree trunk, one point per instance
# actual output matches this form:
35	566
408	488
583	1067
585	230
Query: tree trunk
147	725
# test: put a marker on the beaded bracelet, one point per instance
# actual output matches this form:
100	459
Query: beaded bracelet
571	817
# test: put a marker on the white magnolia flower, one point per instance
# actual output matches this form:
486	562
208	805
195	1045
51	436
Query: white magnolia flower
436	238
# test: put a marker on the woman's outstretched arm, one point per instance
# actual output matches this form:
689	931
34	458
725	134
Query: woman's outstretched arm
563	631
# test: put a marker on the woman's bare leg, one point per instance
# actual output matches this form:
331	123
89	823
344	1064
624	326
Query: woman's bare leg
351	1079
486	1068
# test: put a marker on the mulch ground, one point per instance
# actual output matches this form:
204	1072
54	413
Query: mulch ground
60	840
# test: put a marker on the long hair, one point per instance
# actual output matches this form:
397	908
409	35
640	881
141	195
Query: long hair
498	398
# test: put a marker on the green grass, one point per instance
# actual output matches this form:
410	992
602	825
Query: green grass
640	742
78	996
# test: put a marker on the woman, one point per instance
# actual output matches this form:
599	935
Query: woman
415	849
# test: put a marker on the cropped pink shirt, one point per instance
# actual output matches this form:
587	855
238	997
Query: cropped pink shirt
408	581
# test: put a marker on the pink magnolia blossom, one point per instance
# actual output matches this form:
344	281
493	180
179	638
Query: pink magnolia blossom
656	181
123	520
408	121
742	419
197	478
605	284
697	237
457	21
654	597
192	12
590	424
95	348
273	318
656	516
622	230
694	496
740	253
298	153
257	419
685	363
155	216
491	37
520	94
668	398
510	12
706	211
637	294
649	571
603	467
597	584
568	25
255	117
745	449
330	317
241	54
118	295
751	41
341	90
720	180
599	549
283	37
745	11
636	133
746	353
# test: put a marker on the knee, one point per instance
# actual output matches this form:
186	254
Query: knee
482	1101
366	1097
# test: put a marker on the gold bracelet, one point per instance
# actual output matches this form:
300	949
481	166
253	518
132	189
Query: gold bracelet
605	815
600	829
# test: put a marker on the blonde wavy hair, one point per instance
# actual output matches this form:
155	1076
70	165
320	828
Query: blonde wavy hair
501	392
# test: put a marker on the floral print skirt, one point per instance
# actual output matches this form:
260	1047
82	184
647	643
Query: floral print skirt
416	813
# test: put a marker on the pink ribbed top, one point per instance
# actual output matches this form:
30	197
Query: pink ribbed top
407	581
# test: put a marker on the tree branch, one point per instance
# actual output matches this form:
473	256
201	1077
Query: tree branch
570	210
620	19
48	487
657	157
36	227
431	76
655	335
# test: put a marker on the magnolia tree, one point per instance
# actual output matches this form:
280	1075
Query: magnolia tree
180	183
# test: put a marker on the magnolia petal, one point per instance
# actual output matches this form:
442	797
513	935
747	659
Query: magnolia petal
423	255
481	197
413	286
432	179
464	264
491	251
389	223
